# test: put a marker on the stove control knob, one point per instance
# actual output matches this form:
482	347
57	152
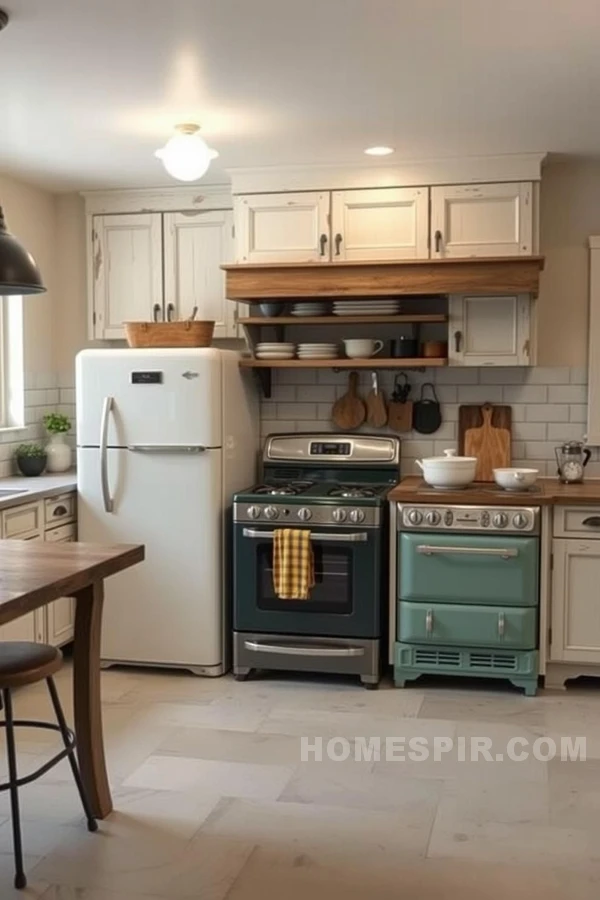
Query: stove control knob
433	517
271	512
415	516
339	514
519	520
304	514
357	516
500	520
253	512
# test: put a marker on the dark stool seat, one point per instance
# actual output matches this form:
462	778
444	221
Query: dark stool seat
22	663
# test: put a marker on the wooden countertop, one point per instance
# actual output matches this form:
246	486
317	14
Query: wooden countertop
548	492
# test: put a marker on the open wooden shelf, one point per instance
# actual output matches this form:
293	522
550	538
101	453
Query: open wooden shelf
343	320
374	362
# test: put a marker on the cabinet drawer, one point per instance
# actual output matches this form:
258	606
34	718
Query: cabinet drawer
21	521
481	626
62	533
60	510
577	521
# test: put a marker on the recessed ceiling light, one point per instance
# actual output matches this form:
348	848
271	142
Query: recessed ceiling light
379	151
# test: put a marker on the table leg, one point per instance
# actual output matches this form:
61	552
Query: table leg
86	693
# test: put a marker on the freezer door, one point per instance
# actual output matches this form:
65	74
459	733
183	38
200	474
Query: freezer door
157	397
169	609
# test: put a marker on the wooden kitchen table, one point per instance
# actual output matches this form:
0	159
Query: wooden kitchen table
34	574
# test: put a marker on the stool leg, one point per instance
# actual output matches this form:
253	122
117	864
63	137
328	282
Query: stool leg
62	724
20	879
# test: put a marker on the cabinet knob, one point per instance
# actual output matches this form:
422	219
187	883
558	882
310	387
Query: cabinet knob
323	243
338	243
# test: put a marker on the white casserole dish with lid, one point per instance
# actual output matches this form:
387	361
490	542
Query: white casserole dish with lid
448	471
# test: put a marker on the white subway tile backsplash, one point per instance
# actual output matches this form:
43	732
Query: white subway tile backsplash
67	395
564	393
567	431
578	412
456	375
297	376
297	411
283	393
501	375
539	450
519	412
546	375
480	393
579	375
547	412
525	393
417	449
529	431
268	409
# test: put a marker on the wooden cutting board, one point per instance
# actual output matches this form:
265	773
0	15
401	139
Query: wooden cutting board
485	432
349	411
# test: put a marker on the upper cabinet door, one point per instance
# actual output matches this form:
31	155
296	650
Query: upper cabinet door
282	227
482	220
489	331
383	223
196	245
127	271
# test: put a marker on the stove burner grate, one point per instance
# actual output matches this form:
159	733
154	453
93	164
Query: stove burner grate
281	490
351	491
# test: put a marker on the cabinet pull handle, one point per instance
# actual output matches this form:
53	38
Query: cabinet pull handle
338	243
438	241
156	311
60	511
323	243
429	621
457	340
170	312
592	521
501	625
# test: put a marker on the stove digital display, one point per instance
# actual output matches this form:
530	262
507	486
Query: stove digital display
330	448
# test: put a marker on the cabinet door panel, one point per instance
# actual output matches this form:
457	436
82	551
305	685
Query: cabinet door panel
60	615
482	220
489	331
127	263
383	223
282	227
575	601
196	246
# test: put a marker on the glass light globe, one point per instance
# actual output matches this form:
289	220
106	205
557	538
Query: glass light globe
186	156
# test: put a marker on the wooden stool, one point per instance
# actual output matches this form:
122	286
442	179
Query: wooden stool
24	663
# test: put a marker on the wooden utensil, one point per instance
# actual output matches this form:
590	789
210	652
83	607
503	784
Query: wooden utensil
400	409
349	411
377	414
485	432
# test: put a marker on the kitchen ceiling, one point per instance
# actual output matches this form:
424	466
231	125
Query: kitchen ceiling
89	90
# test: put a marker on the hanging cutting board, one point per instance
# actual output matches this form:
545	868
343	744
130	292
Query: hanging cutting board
349	410
485	432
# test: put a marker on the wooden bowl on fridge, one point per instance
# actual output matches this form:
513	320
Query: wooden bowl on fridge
170	334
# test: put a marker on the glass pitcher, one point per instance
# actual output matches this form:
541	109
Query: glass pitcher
572	458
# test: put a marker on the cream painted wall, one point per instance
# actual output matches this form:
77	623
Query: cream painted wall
31	216
70	334
570	213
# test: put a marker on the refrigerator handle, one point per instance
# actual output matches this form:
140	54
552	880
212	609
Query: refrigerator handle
106	411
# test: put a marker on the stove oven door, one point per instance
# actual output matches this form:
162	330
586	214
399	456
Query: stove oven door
346	598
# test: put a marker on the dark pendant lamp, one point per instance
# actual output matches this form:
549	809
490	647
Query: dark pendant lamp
19	273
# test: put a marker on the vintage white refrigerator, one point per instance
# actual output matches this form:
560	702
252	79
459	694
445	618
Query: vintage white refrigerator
164	439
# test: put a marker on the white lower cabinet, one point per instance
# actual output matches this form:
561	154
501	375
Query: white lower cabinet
60	615
575	601
489	331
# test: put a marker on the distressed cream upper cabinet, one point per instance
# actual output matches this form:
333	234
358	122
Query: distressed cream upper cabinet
127	271
196	244
282	227
489	331
482	220
575	608
383	223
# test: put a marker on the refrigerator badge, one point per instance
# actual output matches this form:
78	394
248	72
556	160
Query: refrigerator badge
189	375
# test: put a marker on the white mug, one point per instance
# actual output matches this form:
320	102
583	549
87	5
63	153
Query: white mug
362	348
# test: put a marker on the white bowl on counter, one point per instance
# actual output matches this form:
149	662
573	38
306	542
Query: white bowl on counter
448	472
516	479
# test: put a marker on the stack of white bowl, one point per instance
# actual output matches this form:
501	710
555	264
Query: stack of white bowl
375	307
310	308
275	350
318	351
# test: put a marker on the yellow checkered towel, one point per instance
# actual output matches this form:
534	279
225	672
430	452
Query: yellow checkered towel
293	563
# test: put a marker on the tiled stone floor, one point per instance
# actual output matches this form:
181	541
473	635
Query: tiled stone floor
212	800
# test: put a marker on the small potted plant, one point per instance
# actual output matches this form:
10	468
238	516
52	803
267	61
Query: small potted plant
31	459
57	449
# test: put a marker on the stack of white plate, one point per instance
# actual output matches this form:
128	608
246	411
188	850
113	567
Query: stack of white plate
318	351
375	307
310	308
275	350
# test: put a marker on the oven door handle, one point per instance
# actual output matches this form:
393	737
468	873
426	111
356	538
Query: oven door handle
359	537
302	649
504	552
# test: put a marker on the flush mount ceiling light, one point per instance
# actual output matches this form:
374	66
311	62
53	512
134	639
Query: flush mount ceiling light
379	151
186	156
